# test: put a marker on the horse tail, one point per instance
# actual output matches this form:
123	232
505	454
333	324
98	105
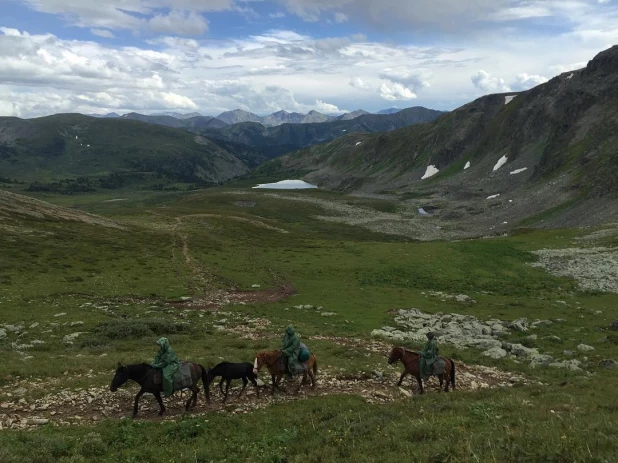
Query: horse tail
315	365
453	374
205	383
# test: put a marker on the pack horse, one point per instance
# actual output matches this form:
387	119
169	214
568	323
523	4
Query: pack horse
411	363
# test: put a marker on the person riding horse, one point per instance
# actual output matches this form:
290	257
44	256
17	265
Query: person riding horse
290	348
167	360
429	356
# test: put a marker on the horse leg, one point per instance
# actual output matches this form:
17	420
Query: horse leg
160	400
403	375
244	385
195	393
191	398
274	384
312	376
420	384
227	388
221	385
279	378
257	389
137	397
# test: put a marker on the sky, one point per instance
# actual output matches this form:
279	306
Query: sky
263	56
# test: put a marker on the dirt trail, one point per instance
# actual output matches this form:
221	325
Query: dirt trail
88	406
207	296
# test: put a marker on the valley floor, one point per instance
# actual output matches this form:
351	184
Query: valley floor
221	272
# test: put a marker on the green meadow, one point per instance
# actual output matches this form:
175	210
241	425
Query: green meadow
122	288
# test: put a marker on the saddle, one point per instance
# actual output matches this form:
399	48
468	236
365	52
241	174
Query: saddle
439	367
183	378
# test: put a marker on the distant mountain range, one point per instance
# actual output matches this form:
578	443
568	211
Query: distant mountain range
238	115
75	153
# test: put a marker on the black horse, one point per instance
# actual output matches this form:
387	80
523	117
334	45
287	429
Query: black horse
144	375
229	371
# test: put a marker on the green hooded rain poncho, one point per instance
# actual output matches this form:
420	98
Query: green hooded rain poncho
167	360
290	346
429	355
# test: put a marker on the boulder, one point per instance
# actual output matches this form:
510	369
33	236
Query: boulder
516	326
523	351
34	325
537	323
614	325
532	337
540	360
553	338
70	338
76	323
569	353
585	348
608	364
571	365
2	334
495	353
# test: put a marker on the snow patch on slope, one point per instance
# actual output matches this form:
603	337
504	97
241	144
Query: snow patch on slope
500	163
509	98
430	172
467	166
519	171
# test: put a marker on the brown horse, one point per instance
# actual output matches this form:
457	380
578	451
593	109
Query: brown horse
411	363
274	362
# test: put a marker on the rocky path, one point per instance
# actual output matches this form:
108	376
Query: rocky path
89	406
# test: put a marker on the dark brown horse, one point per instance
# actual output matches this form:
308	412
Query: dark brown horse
144	375
274	362
411	363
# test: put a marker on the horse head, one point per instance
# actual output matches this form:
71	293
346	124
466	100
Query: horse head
121	377
258	362
395	355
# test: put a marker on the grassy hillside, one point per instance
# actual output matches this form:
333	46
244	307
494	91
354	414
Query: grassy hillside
121	289
87	152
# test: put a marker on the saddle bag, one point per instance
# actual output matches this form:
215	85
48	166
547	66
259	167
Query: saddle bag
303	354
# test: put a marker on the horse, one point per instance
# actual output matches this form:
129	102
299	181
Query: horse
143	374
277	368
411	363
229	371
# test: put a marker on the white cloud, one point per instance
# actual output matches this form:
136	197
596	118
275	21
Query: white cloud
525	81
276	69
340	17
102	33
357	82
327	108
134	15
179	23
488	83
393	91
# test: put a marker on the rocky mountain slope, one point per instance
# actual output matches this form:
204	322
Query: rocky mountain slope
192	122
555	145
72	147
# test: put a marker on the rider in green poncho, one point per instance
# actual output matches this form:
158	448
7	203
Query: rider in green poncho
429	355
290	347
167	360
